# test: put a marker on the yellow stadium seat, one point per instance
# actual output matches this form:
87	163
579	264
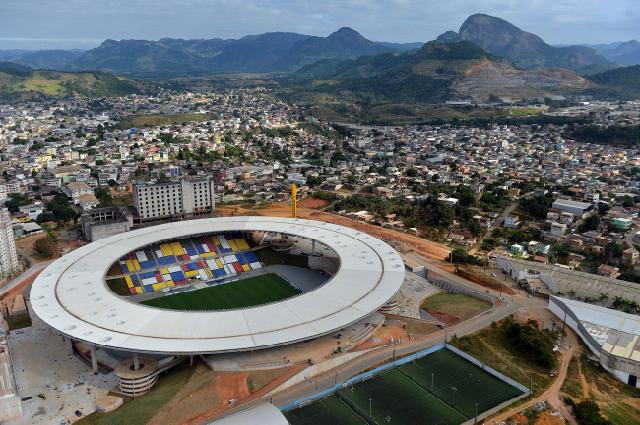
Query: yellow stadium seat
136	264
139	289
177	248
246	267
170	283
166	249
156	287
233	245
209	274
164	270
219	263
192	273
130	265
243	244
127	278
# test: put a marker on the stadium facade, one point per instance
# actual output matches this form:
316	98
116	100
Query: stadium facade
612	336
72	296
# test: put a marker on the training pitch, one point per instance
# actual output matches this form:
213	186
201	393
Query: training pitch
242	293
439	389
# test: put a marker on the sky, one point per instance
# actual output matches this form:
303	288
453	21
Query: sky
65	24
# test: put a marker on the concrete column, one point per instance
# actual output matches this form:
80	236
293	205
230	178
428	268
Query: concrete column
68	342
136	361
94	360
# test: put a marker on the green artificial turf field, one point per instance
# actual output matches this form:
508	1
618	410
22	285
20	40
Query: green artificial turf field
459	382
405	395
331	410
248	292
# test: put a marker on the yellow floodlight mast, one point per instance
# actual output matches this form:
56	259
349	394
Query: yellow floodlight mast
294	200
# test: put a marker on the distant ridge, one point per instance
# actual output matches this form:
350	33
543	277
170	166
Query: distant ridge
526	50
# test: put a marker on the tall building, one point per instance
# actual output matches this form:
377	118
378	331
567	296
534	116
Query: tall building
9	264
175	200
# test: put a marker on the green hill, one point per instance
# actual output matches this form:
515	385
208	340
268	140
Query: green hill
22	85
619	83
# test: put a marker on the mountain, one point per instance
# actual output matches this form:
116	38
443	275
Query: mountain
41	59
437	72
524	49
18	83
14	68
620	83
449	37
401	47
270	52
625	53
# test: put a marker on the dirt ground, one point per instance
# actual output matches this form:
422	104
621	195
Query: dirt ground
385	335
207	390
312	203
28	245
19	288
399	240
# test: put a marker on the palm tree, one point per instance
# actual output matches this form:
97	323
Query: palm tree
604	297
632	306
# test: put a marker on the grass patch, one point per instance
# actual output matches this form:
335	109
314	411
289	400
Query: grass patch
119	286
493	347
19	321
140	410
248	292
459	305
618	402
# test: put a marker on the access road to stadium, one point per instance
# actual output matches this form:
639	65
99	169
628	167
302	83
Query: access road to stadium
509	306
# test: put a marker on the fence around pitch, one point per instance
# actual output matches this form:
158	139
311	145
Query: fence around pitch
404	360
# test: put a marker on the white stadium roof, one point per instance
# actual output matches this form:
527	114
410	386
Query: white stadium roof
72	297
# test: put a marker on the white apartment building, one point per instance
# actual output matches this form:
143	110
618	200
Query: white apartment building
9	264
174	200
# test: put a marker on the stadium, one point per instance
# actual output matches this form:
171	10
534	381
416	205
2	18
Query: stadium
212	286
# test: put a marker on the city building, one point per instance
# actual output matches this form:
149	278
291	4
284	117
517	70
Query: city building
173	200
104	222
9	264
611	335
75	190
579	209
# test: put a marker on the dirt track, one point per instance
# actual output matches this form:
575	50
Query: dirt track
552	394
423	247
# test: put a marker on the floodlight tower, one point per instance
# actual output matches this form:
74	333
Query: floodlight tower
294	200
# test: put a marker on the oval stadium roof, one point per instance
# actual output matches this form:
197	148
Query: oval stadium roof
71	294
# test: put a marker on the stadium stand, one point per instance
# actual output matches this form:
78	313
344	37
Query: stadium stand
169	264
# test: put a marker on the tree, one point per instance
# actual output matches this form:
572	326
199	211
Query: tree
587	412
590	223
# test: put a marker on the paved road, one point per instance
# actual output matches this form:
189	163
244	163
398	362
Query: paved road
35	267
496	223
508	306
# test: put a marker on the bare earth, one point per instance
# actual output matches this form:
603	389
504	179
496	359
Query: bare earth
423	247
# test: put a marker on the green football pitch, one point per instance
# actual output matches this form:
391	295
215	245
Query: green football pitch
405	395
247	292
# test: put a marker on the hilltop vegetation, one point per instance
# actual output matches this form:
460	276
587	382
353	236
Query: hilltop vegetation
21	85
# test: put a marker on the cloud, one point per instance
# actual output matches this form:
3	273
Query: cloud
558	21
